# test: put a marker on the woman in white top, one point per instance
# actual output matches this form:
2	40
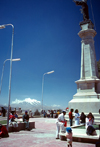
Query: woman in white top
89	120
77	117
90	130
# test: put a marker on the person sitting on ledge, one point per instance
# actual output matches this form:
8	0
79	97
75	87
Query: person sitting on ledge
12	122
3	131
26	120
90	130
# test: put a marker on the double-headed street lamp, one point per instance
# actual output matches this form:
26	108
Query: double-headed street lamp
2	27
18	59
43	84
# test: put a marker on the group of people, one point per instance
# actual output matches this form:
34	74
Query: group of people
88	121
12	122
78	118
51	113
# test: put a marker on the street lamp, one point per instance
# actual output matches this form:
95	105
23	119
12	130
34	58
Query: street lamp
18	59
43	84
2	27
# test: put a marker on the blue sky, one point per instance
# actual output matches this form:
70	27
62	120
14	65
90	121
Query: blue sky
45	38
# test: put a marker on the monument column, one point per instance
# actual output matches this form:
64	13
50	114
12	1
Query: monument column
87	98
88	57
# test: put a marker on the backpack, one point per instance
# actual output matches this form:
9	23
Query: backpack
90	130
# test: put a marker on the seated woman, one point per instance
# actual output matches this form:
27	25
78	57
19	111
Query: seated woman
3	131
90	130
12	121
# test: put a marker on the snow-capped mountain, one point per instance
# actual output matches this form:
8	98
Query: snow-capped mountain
32	104
26	104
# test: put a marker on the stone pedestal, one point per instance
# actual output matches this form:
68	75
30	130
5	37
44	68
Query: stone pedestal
87	98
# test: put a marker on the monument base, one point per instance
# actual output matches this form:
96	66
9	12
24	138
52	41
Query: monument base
85	105
87	98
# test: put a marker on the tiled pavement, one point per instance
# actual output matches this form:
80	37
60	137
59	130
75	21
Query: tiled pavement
42	136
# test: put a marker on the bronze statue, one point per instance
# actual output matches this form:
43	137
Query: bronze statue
84	9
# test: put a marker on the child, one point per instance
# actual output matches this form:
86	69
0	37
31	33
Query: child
69	136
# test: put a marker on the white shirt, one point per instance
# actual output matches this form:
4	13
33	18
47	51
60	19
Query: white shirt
60	117
89	123
77	119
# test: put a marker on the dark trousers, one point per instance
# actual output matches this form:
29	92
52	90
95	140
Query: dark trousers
70	120
97	144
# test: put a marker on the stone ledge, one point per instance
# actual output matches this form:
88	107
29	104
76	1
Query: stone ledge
21	126
80	135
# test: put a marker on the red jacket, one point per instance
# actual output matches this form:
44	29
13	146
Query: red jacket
70	115
3	132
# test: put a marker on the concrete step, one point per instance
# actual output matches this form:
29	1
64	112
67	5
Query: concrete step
79	135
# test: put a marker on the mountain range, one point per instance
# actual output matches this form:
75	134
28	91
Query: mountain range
31	104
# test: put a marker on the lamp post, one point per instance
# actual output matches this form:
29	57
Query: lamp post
43	84
2	27
18	59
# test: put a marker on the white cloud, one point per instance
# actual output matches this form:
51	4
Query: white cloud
27	100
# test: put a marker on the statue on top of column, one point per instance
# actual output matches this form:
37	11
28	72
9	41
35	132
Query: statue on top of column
84	9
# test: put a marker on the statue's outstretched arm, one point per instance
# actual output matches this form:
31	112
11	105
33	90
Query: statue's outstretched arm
77	2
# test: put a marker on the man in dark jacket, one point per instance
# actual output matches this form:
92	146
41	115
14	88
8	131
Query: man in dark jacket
26	120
